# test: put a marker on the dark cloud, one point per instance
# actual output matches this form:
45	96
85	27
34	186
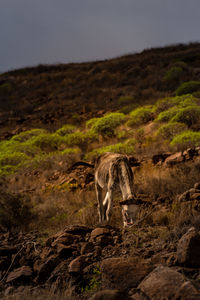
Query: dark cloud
49	31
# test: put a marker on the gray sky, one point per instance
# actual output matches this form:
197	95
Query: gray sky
49	31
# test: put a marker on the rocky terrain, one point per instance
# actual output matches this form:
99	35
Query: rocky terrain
153	259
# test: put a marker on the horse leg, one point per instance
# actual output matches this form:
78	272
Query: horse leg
109	198
100	203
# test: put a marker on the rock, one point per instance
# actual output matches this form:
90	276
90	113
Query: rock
101	236
190	153
174	159
77	265
99	231
184	197
122	273
66	239
187	291
197	185
65	251
110	295
21	274
87	248
195	196
161	283
8	291
7	251
157	158
47	267
188	248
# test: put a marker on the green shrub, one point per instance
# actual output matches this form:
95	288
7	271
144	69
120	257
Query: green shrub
81	139
106	125
168	131
173	73
167	115
169	102
26	135
124	148
186	139
188	87
189	115
91	122
47	142
12	159
66	129
140	115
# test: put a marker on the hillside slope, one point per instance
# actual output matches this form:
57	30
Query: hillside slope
47	96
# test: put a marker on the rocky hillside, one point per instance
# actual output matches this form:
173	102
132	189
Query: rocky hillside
54	122
49	96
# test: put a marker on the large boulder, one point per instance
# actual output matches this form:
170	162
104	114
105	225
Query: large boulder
123	273
187	291
22	275
161	283
188	248
110	295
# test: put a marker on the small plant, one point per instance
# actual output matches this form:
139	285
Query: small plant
140	116
94	282
47	142
186	139
188	87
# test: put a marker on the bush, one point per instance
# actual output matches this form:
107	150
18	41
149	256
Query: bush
167	103
26	135
140	115
123	148
15	211
188	87
106	125
66	129
186	139
168	131
173	73
189	115
47	142
167	115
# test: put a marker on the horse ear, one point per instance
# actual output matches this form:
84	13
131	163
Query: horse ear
133	161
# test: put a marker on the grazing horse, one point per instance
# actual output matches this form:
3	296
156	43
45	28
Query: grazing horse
113	170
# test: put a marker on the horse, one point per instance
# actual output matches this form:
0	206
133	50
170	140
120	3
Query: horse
113	171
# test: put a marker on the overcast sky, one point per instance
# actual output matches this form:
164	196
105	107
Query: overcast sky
48	31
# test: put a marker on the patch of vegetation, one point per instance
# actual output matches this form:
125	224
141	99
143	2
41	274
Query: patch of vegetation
188	87
167	115
106	125
15	210
186	139
168	131
173	73
94	282
189	115
127	147
27	135
66	129
125	100
169	102
140	115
